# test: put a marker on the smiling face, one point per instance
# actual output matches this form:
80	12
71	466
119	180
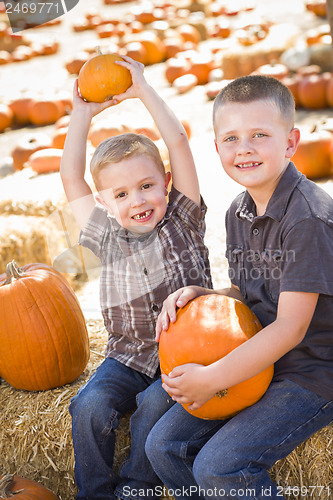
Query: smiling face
255	145
134	191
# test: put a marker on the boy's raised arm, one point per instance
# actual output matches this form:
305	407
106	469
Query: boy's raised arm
183	169
73	162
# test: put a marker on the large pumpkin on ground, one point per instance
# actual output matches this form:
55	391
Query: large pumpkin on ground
100	78
23	489
207	329
313	154
43	336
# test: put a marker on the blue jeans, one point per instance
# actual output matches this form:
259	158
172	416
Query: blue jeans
96	409
231	458
136	472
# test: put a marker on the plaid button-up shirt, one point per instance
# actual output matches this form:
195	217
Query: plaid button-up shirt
139	272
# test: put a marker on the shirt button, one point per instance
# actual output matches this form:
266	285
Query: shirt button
154	307
257	256
255	231
145	270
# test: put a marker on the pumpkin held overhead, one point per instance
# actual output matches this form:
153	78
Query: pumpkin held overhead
100	78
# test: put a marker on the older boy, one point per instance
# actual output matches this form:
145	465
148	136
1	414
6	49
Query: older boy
280	253
148	248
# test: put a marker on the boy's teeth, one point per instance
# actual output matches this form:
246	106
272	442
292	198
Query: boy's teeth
142	215
245	165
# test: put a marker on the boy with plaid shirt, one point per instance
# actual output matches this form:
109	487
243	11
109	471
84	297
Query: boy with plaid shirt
148	248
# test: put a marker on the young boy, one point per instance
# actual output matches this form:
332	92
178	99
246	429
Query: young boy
280	254
148	248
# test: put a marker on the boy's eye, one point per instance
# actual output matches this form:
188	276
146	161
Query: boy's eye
146	186
121	195
230	138
259	134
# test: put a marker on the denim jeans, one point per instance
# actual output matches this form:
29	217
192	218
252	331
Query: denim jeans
96	409
231	458
136	472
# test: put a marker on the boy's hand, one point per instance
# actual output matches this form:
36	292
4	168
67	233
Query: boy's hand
189	384
138	80
179	298
92	108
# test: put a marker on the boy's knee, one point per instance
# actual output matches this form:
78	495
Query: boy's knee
154	447
154	401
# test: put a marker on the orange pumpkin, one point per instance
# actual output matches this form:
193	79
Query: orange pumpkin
185	83
45	160
312	91
329	92
23	489
103	129
44	340
154	46
312	156
6	117
207	329
45	111
136	51
59	137
30	143
176	67
100	78
273	69
21	108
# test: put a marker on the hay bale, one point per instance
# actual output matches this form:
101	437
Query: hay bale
36	443
23	239
309	466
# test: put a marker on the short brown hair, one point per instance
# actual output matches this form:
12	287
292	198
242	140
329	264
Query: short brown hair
251	88
119	147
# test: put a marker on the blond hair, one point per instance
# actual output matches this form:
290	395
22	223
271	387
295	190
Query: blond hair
120	147
251	88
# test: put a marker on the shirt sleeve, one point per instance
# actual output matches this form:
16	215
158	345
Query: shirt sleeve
308	257
191	214
93	234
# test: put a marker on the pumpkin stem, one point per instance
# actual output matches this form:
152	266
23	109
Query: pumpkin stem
98	50
5	484
13	273
222	394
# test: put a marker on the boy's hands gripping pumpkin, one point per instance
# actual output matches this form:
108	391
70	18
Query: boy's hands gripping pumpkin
91	108
189	384
177	299
138	80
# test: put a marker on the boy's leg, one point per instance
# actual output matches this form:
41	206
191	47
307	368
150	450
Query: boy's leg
136	472
234	463
172	446
95	412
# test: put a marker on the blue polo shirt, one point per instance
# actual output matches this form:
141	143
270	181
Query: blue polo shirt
289	248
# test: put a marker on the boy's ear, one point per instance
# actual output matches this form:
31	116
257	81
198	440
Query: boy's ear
293	141
100	200
217	149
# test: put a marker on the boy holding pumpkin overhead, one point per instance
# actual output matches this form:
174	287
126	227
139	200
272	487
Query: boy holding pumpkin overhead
148	248
280	254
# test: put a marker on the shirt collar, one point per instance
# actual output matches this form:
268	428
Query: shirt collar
278	202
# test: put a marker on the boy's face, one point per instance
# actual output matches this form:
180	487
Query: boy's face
134	191
254	145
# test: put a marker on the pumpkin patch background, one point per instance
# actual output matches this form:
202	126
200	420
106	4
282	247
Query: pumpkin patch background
35	220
